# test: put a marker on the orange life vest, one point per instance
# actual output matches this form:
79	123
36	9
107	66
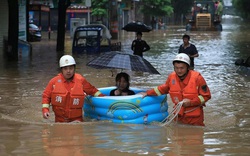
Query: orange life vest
68	105
190	91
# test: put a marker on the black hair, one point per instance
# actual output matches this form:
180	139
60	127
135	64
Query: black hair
138	33
186	36
247	62
125	76
242	62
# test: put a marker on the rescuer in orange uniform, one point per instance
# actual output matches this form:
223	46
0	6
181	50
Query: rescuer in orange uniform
187	86
66	93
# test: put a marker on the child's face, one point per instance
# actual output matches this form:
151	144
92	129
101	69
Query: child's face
122	84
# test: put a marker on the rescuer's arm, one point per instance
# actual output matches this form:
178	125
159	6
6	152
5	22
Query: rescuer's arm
46	99
203	93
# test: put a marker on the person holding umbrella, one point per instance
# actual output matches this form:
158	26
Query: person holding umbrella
139	46
187	87
122	82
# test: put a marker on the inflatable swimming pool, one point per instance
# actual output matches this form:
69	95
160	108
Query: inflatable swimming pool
126	109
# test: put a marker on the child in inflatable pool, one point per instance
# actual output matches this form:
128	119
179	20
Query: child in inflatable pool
122	82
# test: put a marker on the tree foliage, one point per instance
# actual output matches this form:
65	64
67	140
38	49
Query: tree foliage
182	6
99	8
157	7
242	7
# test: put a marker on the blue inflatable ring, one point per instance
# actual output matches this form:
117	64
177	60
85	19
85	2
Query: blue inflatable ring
132	109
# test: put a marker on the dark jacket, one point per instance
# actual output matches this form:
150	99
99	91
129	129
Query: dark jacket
139	46
190	50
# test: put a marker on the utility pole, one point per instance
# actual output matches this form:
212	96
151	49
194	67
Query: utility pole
88	4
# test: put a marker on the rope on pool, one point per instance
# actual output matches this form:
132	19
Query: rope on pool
172	115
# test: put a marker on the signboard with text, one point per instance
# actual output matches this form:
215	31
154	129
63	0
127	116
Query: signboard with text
22	20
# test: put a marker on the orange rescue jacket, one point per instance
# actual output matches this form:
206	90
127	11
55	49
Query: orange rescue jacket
68	104
190	91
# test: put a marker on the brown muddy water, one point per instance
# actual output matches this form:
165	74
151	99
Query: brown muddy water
23	131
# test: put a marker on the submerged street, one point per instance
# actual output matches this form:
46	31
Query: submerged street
24	132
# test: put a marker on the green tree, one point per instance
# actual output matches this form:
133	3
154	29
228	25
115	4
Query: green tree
100	8
157	7
181	7
242	7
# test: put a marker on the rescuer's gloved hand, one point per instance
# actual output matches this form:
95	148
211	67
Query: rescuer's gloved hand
45	113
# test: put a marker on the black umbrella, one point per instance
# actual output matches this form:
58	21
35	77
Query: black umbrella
121	60
137	27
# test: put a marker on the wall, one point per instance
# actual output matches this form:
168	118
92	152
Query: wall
4	21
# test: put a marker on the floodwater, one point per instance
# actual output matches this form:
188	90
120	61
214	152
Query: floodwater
23	131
